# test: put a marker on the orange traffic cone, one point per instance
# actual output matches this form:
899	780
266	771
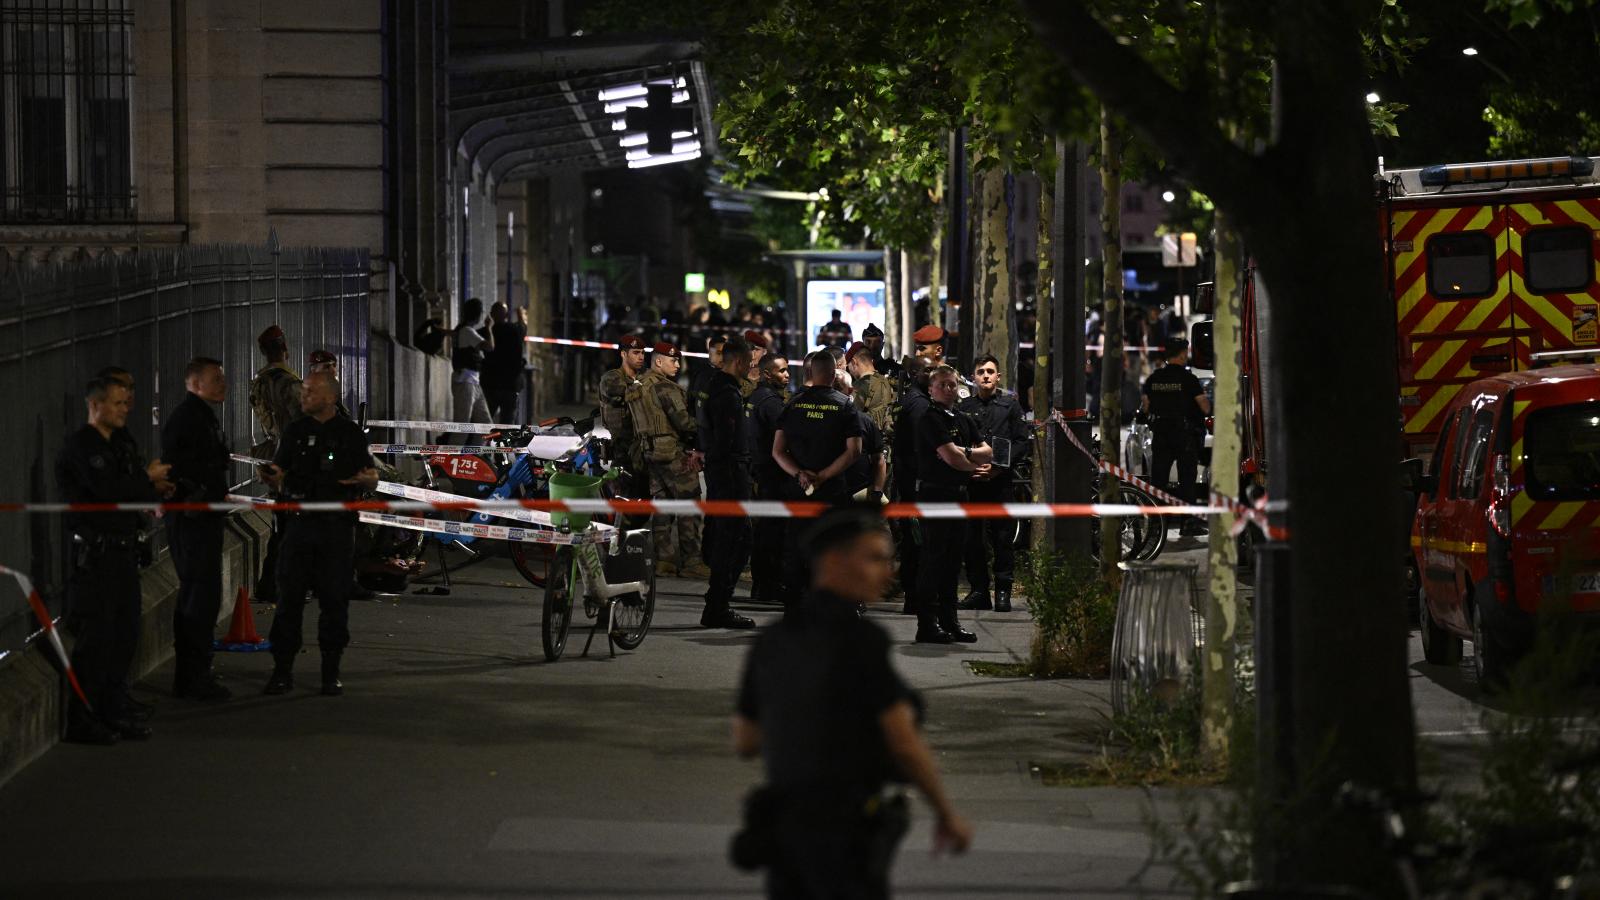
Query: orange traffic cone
242	629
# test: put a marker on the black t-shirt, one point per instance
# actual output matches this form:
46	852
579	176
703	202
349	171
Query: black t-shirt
502	366
817	684
913	403
93	469
720	419
816	425
859	475
1172	390
316	456
766	407
939	426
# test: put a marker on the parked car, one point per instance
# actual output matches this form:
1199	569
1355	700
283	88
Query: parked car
1505	525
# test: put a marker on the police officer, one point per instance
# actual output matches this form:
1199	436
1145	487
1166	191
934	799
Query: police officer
872	336
193	442
614	414
725	441
903	453
950	452
100	463
668	444
821	703
700	382
766	405
322	457
1176	405
275	400
818	439
998	413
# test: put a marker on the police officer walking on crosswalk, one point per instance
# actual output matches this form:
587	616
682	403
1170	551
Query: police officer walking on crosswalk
1175	404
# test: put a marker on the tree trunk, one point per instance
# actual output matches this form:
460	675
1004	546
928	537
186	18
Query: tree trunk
907	315
1111	364
1221	601
1044	306
892	275
993	289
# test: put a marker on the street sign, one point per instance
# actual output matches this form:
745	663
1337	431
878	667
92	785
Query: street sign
1179	250
694	282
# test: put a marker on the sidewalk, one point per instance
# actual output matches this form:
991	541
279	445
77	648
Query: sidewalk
458	764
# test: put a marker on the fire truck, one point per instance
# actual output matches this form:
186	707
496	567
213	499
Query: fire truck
1491	268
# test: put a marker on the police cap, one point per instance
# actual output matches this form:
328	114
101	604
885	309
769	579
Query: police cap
872	330
855	348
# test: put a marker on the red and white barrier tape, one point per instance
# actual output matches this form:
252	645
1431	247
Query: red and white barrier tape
451	427
597	345
440	449
488	532
1244	515
756	509
43	614
534	517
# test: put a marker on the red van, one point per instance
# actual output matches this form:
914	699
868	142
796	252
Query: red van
1508	514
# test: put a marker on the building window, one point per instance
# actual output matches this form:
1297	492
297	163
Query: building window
66	73
1558	260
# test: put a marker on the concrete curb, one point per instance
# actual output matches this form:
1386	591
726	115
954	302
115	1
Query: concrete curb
32	689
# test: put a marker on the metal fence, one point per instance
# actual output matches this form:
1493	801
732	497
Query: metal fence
150	313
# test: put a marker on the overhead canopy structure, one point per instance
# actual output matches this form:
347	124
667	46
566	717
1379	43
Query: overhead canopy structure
528	110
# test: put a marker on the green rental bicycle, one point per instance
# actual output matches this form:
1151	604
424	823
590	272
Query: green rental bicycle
616	579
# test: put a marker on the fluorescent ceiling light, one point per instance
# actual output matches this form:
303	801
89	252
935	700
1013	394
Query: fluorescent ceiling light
623	92
663	160
639	138
640	102
678	148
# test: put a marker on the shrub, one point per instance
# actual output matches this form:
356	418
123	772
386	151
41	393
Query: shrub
1075	611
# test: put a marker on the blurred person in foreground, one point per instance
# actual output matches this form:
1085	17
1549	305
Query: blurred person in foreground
837	729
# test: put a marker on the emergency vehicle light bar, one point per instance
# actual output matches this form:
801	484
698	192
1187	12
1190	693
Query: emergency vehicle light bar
1519	170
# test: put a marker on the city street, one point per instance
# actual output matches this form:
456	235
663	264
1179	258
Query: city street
458	764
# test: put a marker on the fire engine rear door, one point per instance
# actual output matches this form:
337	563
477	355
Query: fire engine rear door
1453	304
1553	273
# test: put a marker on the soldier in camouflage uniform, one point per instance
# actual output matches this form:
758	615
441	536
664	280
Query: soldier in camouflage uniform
614	414
758	344
666	439
275	400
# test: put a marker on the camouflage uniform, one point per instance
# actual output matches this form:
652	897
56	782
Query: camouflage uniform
665	433
275	400
614	415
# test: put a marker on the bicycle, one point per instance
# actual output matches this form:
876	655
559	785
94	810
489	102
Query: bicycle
618	588
1142	537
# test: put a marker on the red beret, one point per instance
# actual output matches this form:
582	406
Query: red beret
632	342
321	357
273	335
855	348
928	334
665	348
756	339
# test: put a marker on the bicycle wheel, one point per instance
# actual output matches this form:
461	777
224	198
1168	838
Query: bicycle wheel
631	614
1154	528
532	561
557	617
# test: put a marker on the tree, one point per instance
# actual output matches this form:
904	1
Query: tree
1348	714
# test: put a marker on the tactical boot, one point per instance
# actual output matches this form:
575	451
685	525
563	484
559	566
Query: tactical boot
974	600
1002	597
282	679
331	685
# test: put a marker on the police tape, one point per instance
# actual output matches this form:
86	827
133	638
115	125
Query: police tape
49	625
440	449
1245	515
451	427
249	460
487	532
531	516
597	345
754	509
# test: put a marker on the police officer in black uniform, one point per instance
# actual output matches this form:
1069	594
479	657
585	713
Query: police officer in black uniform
998	413
1175	404
322	457
950	452
725	441
766	404
99	463
193	443
872	336
818	438
913	403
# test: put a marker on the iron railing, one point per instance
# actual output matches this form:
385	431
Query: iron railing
150	313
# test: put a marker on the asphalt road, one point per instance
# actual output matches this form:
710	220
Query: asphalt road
459	764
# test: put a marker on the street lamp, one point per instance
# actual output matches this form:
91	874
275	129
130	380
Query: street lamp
1168	196
1372	97
1469	51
